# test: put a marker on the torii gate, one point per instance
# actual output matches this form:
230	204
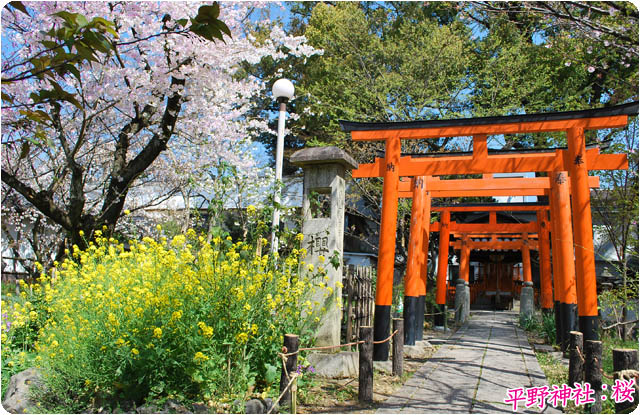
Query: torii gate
525	231
523	244
422	189
577	160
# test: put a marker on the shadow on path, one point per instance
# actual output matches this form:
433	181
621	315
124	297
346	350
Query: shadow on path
472	371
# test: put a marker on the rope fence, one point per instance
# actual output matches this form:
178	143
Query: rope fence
288	380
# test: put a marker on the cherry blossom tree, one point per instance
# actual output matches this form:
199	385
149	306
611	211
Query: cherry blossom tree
149	112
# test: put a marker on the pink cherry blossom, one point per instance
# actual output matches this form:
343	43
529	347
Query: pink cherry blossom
213	125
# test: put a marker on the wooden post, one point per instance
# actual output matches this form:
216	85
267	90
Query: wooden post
576	363
398	347
294	396
624	359
291	343
365	376
592	372
348	287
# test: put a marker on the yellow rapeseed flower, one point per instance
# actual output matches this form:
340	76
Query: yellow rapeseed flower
157	332
135	351
200	357
205	330
242	337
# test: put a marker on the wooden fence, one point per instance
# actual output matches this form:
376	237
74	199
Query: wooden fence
357	300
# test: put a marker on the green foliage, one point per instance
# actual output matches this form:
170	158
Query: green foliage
555	372
207	24
23	316
548	327
529	323
542	325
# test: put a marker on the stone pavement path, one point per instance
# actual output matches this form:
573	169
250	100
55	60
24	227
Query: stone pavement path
472	370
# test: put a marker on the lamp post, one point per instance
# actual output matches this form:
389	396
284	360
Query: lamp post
283	92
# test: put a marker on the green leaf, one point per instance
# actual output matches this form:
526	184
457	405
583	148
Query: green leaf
24	150
207	24
104	25
81	20
97	41
74	71
49	44
182	22
208	13
69	18
38	116
223	27
71	99
19	6
85	52
8	98
271	374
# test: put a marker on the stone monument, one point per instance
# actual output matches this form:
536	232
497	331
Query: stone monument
323	225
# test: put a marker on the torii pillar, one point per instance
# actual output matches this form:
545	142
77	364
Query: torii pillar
413	285
565	277
386	248
526	294
546	287
443	266
426	223
583	235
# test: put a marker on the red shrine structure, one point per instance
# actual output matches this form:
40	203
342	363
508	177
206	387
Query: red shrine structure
569	280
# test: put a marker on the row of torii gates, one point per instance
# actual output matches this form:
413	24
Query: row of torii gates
567	185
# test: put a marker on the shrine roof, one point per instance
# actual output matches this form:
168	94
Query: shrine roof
630	108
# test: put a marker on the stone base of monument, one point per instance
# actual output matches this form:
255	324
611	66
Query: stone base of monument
385	367
421	350
441	328
335	365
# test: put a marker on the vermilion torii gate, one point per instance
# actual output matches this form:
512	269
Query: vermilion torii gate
422	189
576	160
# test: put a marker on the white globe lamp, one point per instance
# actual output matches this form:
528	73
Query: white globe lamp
282	91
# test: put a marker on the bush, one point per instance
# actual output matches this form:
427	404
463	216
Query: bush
544	326
185	319
529	323
548	327
23	316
